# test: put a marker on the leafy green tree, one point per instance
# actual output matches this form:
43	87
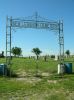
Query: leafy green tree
37	52
16	51
2	54
67	53
45	58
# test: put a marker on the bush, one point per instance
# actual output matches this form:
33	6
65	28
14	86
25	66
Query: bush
52	56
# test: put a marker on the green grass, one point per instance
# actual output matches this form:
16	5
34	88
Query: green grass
31	65
51	87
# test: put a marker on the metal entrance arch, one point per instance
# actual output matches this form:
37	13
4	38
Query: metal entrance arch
36	22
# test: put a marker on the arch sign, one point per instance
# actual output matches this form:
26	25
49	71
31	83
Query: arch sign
36	22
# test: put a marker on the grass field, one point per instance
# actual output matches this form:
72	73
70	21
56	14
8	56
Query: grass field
48	86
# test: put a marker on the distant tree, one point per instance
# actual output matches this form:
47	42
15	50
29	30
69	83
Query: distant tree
37	52
16	51
2	54
67	53
45	58
52	56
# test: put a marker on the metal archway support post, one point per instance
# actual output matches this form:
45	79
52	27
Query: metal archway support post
61	43
8	43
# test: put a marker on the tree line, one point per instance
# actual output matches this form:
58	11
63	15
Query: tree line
17	51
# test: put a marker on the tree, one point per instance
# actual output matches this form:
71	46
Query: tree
45	58
16	51
67	53
2	54
37	51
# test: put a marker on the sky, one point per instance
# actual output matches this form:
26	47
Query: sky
45	40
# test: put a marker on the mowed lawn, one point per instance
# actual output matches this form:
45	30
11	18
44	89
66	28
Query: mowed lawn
47	86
